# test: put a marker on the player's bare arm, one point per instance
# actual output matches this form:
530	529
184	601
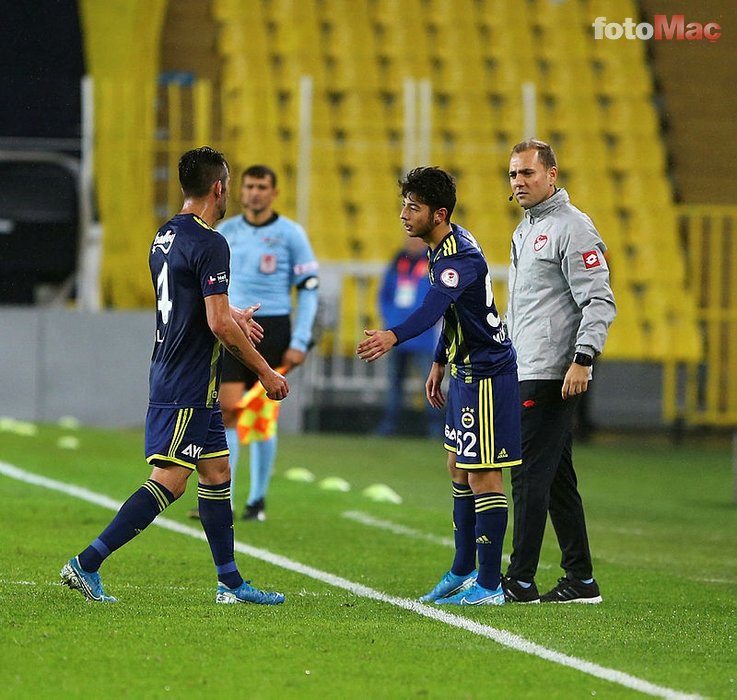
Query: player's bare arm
433	385
576	381
230	334
376	344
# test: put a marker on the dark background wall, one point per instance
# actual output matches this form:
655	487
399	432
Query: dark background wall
41	63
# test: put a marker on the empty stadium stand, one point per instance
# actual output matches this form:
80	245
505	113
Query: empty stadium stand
699	103
596	102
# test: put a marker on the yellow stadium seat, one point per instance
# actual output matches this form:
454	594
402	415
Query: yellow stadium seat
623	114
631	151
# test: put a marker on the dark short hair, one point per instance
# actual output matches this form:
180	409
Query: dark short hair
545	152
199	169
431	186
259	171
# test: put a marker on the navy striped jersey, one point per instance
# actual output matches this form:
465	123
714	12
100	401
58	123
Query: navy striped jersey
474	340
188	261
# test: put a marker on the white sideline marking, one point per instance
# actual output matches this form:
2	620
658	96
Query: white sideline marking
396	528
502	637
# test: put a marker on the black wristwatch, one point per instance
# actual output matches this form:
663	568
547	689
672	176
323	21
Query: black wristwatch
581	358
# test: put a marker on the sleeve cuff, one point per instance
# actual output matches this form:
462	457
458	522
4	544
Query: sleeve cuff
586	350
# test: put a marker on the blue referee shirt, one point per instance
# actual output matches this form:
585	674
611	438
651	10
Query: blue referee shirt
266	261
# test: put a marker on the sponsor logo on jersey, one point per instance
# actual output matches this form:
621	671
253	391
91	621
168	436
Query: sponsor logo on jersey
192	451
540	242
219	278
163	241
449	278
591	259
502	454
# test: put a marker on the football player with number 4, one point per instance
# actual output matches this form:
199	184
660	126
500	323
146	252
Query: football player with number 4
190	271
482	424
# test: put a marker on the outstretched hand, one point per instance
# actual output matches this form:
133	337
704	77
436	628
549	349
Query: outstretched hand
376	344
252	329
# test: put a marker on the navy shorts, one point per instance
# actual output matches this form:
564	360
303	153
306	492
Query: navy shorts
482	422
184	436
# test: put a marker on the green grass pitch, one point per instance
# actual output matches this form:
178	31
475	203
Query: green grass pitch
663	528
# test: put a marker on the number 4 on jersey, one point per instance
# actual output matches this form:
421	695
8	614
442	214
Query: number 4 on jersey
163	302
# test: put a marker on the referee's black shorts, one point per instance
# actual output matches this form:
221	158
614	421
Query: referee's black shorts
277	334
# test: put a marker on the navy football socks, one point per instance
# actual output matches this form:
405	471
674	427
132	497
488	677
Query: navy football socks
216	516
491	524
464	522
134	516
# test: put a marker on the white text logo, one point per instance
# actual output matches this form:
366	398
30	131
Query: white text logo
662	28
192	451
163	241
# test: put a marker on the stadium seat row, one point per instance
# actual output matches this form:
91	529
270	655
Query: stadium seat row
594	103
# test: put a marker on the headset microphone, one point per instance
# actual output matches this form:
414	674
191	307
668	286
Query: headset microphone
511	197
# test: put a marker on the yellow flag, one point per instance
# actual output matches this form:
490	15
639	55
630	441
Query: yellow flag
257	414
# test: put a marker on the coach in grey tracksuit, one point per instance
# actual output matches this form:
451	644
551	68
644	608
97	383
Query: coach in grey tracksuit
560	306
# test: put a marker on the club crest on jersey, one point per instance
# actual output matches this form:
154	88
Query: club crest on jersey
540	242
449	278
591	259
267	265
467	419
163	241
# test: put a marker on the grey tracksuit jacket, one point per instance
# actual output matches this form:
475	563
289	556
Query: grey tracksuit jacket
559	298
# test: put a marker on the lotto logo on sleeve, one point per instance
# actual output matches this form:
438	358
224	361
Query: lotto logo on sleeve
591	259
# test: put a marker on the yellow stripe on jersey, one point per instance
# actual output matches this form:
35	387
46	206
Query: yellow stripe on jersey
184	415
202	223
466	359
154	489
486	421
212	383
450	246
